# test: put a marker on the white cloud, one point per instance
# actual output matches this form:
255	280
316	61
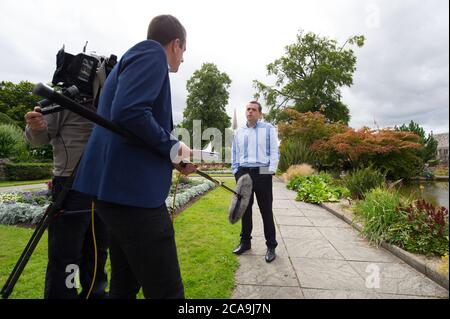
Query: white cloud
402	70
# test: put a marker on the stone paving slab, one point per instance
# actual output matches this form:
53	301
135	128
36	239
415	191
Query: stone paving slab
255	271
312	248
293	220
267	292
396	278
321	257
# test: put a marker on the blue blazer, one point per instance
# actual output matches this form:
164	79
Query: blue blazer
136	96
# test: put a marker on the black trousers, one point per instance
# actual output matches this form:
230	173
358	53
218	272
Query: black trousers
70	244
262	188
143	252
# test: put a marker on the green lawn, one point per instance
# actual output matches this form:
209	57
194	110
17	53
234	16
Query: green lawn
204	238
18	183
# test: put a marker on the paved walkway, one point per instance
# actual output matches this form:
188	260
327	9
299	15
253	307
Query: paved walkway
321	256
22	188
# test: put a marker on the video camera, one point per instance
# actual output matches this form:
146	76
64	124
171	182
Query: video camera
80	77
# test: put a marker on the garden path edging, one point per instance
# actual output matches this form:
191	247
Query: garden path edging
420	263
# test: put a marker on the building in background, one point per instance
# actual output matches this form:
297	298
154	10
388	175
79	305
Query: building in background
442	149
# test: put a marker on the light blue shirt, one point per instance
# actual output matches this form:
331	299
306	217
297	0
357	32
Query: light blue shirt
256	147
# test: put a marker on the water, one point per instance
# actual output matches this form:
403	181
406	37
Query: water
436	193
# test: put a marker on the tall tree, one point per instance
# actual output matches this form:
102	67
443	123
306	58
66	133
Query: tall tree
207	98
16	100
309	77
429	144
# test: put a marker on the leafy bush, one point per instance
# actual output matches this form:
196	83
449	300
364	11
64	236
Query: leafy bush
5	119
418	227
424	229
42	153
307	127
434	162
379	214
20	213
293	152
441	171
317	189
363	180
27	171
12	142
298	170
390	151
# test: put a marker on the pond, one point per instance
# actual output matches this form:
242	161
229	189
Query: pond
434	192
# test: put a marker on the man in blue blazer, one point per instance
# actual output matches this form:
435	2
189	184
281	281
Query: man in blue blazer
130	181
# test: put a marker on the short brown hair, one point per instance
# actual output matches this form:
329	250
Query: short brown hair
257	103
166	28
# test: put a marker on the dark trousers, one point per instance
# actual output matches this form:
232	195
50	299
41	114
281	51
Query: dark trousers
70	243
262	188
143	252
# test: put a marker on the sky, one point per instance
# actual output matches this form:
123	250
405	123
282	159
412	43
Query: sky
402	70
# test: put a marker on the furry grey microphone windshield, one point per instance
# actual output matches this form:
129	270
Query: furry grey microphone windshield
239	203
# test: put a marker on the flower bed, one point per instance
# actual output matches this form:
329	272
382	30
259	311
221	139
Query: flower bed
26	208
186	194
23	207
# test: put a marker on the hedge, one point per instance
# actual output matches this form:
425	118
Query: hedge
27	171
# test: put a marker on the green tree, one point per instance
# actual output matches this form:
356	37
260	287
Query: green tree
429	144
309	77
16	100
207	98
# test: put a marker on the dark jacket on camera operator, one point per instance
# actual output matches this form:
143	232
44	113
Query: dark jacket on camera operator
68	134
70	238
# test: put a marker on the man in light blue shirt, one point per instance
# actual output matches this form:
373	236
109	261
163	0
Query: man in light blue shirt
255	151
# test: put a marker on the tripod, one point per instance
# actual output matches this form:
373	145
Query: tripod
54	209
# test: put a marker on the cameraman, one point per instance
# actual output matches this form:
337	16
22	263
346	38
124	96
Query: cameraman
70	238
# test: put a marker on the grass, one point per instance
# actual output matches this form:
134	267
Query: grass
204	239
18	183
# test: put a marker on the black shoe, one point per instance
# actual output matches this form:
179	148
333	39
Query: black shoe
242	248
270	255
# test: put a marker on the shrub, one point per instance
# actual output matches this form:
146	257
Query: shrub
307	126
378	214
20	213
424	229
390	151
362	180
293	152
298	170
5	119
27	171
12	142
317	189
441	171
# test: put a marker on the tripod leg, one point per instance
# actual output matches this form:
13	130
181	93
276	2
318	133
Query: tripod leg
52	211
23	260
27	247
